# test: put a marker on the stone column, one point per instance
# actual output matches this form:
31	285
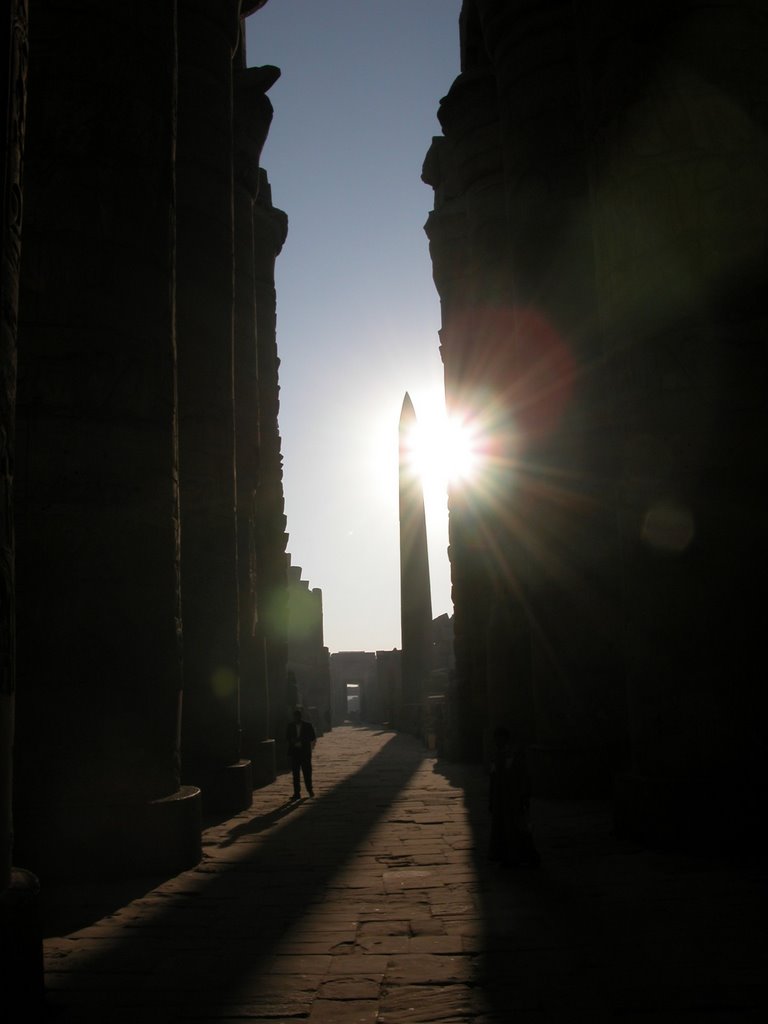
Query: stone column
680	181
97	503
21	950
467	233
253	114
531	539
208	36
558	524
270	228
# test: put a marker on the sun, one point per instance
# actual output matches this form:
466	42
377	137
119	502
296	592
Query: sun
442	449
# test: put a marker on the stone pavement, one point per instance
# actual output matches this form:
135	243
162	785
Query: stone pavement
374	902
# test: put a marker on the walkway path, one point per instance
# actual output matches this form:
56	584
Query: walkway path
373	902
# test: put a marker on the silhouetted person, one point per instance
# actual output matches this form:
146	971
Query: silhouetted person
509	802
301	739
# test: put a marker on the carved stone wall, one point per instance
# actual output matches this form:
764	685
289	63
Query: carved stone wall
598	243
128	428
13	49
253	114
208	35
97	514
21	948
270	228
679	162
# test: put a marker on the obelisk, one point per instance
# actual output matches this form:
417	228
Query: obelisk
415	593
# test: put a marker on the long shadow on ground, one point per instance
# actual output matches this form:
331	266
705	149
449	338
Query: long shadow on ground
252	900
606	929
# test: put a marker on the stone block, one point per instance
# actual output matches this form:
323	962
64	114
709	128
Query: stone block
427	1004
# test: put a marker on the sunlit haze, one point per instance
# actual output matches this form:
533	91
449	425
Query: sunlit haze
357	312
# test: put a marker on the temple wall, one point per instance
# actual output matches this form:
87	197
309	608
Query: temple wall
598	244
270	226
253	114
97	513
14	54
21	948
128	428
680	172
208	37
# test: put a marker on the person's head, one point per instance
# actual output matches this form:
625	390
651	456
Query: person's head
297	714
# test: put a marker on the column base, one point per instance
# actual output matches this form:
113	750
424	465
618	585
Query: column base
264	763
103	839
227	790
175	831
21	949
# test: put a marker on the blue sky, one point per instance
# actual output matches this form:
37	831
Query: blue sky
357	311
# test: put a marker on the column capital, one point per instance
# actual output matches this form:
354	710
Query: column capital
252	118
270	224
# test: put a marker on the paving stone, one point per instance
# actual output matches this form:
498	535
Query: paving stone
299	964
411	878
292	921
383	944
273	1010
356	1011
357	963
260	984
428	969
362	986
388	927
319	948
426	926
455	924
427	1004
440	944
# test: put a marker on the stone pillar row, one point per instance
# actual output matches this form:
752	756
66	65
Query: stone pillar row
142	551
598	244
259	235
21	952
270	539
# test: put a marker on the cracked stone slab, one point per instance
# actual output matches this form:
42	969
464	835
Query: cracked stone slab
357	963
440	944
385	944
361	986
299	964
427	926
273	1010
428	1004
429	969
332	1011
387	927
397	879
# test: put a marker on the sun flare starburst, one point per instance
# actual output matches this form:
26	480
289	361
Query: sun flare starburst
443	450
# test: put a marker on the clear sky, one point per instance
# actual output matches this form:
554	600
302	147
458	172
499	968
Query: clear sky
357	311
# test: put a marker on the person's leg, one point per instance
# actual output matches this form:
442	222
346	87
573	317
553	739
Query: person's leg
295	768
306	767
